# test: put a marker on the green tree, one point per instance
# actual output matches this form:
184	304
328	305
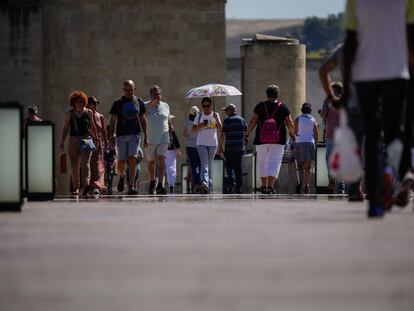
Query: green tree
321	33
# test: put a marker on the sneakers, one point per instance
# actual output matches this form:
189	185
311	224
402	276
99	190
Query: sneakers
132	191
331	186
356	197
204	189
197	189
160	189
387	198
375	210
121	184
403	195
306	189
267	190
264	190
86	190
152	187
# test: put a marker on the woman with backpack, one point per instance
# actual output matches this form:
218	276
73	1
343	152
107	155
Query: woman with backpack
270	118
306	131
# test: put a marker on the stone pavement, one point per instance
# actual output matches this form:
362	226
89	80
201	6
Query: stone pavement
205	253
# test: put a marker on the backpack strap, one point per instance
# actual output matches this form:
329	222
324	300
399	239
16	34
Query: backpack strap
75	122
199	117
274	112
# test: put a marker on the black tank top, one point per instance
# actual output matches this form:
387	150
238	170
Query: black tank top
79	126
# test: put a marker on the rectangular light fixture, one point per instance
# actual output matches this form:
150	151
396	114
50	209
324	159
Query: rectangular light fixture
321	176
11	170
40	161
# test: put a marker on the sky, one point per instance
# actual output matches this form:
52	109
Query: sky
281	9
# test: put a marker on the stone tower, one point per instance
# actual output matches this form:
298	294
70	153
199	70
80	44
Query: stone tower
273	60
51	47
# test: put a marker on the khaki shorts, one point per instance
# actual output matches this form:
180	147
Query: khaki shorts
152	151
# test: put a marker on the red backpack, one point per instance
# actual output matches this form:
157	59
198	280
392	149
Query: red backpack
269	133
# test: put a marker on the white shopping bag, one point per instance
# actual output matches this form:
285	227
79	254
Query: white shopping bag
345	161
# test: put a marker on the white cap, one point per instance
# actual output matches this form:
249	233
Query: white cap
194	110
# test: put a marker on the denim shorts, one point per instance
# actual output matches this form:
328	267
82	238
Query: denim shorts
127	146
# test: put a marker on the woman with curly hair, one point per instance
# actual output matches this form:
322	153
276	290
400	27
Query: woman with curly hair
81	128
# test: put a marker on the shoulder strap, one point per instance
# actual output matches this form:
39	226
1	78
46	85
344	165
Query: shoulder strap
274	112
199	117
75	122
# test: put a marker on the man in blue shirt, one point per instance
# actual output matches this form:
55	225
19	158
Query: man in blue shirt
125	128
232	133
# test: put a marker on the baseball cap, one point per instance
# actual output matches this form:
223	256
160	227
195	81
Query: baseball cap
194	110
229	106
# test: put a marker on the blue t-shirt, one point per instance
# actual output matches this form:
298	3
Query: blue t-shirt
127	111
157	123
234	128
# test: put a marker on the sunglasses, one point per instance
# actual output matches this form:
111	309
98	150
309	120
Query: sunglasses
127	90
206	106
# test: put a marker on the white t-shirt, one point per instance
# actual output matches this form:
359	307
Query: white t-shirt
382	41
207	136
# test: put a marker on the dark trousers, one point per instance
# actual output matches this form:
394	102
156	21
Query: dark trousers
382	104
408	138
194	159
234	167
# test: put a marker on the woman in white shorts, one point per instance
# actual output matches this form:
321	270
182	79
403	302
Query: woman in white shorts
270	118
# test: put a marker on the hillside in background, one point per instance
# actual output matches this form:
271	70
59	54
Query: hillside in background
319	34
238	29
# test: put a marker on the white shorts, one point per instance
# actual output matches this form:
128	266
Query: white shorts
152	151
269	159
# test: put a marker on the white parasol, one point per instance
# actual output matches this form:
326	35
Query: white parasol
212	90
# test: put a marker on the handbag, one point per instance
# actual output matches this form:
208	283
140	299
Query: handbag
345	162
289	152
63	163
85	144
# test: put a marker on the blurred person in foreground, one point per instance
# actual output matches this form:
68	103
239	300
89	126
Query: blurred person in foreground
376	61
